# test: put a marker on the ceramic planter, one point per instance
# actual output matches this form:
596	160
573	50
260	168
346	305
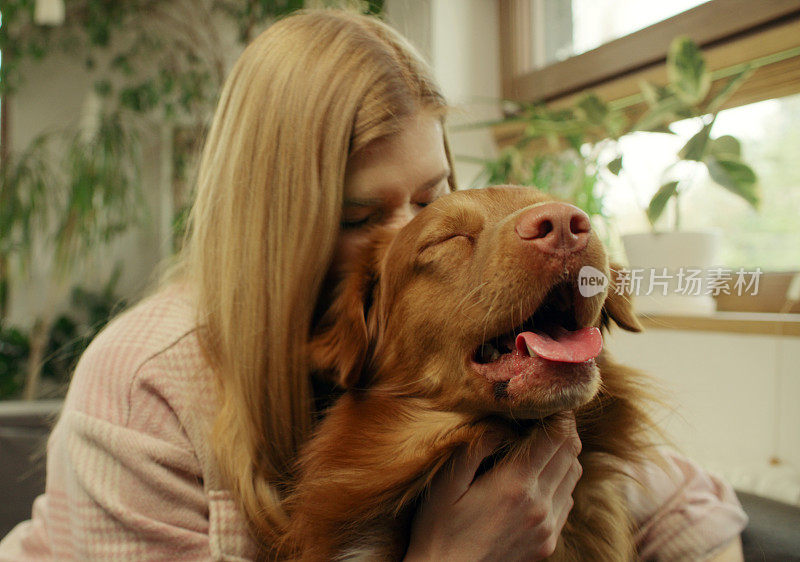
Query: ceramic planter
659	258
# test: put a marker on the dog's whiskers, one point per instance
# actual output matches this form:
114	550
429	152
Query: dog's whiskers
470	294
489	313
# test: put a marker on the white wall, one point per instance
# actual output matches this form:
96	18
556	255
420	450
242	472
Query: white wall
52	97
735	400
55	90
460	40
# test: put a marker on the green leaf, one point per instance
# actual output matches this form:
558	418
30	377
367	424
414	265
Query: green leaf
102	88
650	93
99	35
372	8
593	108
659	201
736	177
660	115
695	147
140	98
615	166
575	141
616	124
686	70
122	63
725	147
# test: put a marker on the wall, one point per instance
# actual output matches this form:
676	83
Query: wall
54	96
735	400
55	91
460	40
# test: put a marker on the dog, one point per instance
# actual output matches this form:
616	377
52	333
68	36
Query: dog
465	322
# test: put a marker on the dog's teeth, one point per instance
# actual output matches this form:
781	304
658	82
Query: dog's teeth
531	352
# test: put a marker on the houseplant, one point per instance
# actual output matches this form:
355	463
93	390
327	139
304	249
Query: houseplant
154	67
657	252
591	129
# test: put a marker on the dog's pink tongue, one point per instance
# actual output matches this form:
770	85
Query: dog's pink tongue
564	346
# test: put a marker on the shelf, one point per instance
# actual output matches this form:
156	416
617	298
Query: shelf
770	324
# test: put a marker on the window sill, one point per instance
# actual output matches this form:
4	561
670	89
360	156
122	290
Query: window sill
762	323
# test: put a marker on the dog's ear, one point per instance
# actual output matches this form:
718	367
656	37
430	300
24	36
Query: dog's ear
617	306
340	341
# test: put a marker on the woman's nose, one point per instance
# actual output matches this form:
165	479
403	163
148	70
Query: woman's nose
402	216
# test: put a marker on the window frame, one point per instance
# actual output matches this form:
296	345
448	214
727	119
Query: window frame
713	24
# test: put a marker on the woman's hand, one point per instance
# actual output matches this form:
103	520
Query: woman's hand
513	512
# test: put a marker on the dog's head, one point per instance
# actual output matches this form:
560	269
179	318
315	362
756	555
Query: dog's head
476	304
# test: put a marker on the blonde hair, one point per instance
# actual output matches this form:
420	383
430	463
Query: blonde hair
309	92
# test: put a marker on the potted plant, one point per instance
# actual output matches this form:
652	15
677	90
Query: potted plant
587	134
674	250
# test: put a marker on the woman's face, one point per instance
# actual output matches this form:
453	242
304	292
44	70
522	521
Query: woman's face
389	181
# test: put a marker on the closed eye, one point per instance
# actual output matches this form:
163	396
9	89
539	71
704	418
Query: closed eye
448	238
353	224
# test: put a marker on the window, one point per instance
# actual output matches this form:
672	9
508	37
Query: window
555	50
769	238
565	28
730	31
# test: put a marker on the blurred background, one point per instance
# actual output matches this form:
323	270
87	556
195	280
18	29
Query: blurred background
675	125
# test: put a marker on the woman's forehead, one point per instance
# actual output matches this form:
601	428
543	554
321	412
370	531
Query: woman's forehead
400	164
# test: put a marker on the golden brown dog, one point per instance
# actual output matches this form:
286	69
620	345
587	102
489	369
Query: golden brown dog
468	321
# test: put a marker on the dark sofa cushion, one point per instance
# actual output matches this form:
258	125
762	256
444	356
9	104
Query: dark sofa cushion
773	533
24	427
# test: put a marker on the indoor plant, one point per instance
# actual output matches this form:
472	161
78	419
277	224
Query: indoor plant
656	252
153	67
590	130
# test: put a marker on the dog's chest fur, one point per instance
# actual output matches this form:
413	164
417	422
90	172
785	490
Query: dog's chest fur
366	468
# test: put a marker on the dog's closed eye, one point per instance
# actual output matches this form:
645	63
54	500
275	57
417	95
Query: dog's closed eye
457	236
452	244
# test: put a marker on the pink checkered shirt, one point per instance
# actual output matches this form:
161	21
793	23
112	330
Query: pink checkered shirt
130	475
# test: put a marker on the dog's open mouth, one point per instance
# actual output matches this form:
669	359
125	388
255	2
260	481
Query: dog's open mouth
548	343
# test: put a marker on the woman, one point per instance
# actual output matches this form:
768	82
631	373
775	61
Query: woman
184	416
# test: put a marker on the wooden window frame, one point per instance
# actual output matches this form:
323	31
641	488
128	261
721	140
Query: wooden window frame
713	24
730	32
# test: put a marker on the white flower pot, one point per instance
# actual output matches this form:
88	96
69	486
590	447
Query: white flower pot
661	257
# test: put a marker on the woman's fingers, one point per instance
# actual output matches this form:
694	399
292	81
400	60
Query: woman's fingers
513	512
549	441
453	482
442	519
562	497
552	452
563	467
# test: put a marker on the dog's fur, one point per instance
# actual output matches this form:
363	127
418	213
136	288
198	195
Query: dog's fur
399	336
